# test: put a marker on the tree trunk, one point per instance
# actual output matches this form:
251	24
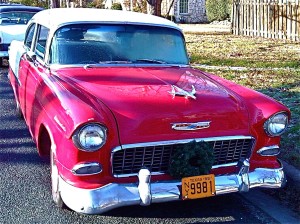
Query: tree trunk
54	4
154	7
158	7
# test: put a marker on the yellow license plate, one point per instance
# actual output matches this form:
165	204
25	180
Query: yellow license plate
198	187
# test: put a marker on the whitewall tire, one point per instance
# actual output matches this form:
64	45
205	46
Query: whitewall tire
55	181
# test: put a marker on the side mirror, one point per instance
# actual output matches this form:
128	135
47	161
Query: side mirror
31	56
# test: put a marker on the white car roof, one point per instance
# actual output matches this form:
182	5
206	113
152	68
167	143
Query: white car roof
54	18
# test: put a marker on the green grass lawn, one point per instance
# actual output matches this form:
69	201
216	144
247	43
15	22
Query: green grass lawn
280	81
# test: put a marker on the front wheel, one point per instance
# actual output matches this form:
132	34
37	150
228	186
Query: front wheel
55	182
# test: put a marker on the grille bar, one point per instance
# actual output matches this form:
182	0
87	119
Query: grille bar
128	160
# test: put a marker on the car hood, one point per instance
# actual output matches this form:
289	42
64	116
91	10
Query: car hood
12	32
146	104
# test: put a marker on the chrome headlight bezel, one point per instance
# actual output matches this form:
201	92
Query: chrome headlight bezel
90	137
276	124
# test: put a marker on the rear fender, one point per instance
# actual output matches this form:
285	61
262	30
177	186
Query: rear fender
16	51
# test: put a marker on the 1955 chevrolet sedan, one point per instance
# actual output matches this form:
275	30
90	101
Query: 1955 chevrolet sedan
111	97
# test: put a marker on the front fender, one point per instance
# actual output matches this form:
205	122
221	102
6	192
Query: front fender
260	107
68	107
64	108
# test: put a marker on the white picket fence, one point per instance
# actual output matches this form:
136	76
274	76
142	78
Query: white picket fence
267	18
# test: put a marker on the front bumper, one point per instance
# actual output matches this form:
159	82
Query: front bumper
96	201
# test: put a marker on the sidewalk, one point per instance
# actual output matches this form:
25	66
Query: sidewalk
205	28
292	172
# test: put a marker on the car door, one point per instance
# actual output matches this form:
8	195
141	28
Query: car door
22	71
31	74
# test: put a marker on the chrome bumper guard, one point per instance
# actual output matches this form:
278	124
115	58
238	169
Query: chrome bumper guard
97	201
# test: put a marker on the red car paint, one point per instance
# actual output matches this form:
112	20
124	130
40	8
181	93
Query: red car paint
136	105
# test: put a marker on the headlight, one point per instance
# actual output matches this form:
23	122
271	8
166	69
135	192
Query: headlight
90	137
276	124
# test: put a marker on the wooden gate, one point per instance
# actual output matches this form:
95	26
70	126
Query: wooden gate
267	18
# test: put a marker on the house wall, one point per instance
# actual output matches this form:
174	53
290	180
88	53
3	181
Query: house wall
196	11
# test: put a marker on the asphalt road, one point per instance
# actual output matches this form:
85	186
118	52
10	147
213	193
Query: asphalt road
25	187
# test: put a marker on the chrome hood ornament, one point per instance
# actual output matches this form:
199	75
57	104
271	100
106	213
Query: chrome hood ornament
190	126
176	91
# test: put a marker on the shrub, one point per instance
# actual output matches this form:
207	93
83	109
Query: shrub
140	6
218	9
96	4
38	3
116	6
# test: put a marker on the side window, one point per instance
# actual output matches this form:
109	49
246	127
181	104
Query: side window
41	41
29	36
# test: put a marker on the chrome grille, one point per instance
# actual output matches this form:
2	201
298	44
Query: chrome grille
127	161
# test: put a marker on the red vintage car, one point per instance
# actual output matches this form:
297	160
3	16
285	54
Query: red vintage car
112	98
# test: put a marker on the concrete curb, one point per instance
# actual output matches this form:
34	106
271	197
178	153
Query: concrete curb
271	206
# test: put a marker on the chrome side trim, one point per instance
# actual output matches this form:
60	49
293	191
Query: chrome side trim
88	66
59	123
113	195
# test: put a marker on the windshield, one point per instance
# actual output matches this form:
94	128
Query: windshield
11	18
94	44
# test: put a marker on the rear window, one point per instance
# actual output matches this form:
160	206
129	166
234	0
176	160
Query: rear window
12	18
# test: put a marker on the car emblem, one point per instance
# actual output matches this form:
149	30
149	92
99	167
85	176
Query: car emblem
176	91
190	126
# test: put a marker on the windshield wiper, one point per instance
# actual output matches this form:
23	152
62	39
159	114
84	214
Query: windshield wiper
151	61
101	63
115	62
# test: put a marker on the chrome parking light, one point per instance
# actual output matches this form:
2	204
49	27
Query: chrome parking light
272	150
85	169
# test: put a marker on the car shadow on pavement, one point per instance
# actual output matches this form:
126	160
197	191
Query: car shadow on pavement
215	209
